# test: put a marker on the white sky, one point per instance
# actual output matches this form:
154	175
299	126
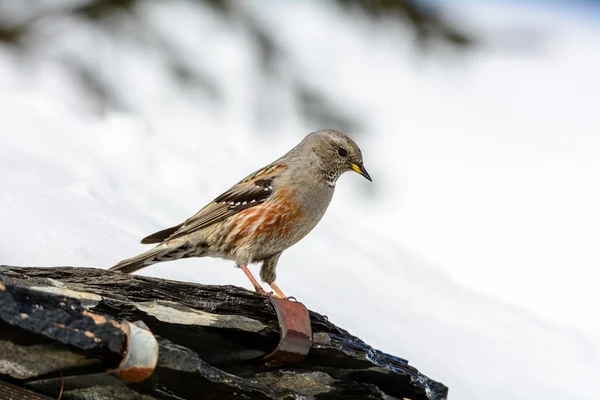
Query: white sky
484	164
489	162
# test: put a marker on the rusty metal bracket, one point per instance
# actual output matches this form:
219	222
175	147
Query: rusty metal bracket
139	359
141	352
296	333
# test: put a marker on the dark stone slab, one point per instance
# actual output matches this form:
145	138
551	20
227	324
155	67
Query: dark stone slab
210	338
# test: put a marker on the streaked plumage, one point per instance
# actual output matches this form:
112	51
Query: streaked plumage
263	214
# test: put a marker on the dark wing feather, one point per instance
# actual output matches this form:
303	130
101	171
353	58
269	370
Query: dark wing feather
160	235
252	190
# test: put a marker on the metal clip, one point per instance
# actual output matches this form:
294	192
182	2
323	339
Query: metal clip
141	353
296	333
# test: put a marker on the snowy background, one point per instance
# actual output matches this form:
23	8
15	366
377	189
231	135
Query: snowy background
474	253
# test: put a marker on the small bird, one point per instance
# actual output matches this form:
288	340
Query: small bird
263	214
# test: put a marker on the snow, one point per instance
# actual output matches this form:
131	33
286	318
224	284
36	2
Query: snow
473	253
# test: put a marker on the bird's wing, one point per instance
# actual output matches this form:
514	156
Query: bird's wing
250	191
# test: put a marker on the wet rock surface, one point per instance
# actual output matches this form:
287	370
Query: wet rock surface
211	340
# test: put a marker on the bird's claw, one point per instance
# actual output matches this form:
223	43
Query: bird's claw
263	291
272	294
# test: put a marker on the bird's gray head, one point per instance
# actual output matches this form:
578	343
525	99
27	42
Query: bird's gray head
336	154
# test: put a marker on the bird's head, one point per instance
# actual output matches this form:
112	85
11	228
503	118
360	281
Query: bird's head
336	153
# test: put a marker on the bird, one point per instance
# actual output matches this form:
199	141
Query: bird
262	215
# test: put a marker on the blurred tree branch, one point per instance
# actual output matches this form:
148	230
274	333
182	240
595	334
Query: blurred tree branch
19	32
423	19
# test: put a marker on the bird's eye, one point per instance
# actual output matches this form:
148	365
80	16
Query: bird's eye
342	152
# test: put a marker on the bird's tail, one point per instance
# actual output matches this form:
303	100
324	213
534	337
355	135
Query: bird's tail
162	252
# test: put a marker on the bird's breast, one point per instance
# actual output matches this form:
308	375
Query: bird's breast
274	225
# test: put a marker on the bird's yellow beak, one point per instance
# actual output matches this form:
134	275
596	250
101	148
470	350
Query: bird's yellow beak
361	170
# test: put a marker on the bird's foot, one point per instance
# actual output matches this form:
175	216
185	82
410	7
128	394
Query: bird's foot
253	280
278	292
263	291
268	294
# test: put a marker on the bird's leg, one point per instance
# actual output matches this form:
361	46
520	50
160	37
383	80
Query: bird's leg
277	291
253	280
